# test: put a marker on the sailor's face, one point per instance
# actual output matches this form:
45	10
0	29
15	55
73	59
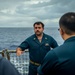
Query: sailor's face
38	29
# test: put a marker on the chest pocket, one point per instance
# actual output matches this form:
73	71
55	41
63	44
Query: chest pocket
47	46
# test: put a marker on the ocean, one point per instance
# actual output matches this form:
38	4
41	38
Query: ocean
10	38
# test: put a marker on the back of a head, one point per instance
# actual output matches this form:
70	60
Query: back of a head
67	22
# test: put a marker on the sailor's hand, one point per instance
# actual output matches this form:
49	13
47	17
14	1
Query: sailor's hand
19	51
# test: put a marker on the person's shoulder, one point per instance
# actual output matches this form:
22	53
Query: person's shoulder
53	52
1	58
30	37
51	55
48	36
58	50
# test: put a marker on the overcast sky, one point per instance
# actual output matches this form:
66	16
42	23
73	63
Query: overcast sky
23	13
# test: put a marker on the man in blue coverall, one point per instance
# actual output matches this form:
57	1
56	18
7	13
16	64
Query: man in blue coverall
38	44
61	60
6	68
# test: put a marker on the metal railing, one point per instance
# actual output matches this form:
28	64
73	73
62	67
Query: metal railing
20	62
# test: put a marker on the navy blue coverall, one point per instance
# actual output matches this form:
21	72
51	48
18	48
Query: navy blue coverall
60	61
37	50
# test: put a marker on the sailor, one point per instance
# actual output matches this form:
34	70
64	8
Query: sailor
61	60
38	44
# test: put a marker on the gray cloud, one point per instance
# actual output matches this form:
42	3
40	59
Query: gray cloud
23	13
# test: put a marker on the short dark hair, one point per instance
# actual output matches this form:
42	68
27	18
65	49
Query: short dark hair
67	21
38	23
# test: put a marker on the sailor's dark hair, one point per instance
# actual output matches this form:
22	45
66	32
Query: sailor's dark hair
39	22
67	21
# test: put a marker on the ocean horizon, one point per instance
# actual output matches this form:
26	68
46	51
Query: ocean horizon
11	37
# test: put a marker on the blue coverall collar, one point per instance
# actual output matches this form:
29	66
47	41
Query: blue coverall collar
70	39
42	37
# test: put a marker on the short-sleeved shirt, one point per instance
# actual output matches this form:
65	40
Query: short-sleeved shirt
37	49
